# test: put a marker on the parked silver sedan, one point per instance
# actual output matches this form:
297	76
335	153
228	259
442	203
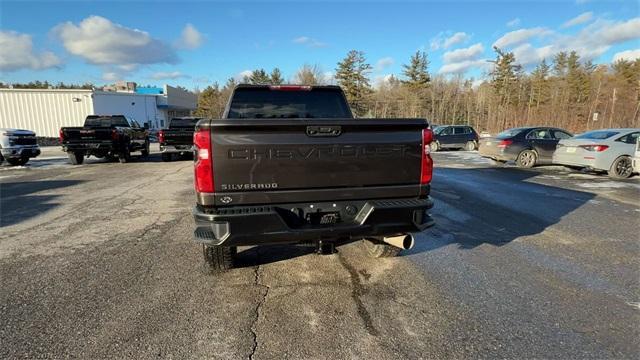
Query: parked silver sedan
608	150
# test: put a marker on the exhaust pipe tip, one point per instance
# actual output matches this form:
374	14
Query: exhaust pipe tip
405	241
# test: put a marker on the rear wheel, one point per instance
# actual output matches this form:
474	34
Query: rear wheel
621	168
219	258
166	157
124	156
1	159
18	161
495	162
527	159
75	157
145	151
435	146
470	145
378	249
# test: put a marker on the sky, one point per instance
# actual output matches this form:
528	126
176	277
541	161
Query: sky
196	43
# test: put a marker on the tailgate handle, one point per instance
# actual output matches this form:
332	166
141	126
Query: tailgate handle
324	130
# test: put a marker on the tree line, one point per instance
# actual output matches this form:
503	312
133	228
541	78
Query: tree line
567	92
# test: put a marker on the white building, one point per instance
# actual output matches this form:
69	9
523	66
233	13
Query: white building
45	111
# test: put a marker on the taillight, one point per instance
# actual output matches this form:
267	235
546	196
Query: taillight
504	143
426	170
61	136
114	135
203	167
596	148
161	136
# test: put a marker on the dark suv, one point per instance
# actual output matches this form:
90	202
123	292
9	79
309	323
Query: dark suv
454	136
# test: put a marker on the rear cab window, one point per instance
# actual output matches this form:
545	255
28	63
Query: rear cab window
284	102
105	121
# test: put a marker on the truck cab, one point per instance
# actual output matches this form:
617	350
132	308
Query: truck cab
17	146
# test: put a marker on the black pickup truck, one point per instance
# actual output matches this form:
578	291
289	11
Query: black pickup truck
177	138
105	136
290	164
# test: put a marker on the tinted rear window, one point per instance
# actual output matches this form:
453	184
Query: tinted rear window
597	135
509	133
105	121
183	123
264	103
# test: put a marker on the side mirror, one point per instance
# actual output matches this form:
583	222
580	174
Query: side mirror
146	125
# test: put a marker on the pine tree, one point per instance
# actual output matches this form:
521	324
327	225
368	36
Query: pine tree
416	71
560	64
276	77
504	76
352	75
258	77
540	84
577	79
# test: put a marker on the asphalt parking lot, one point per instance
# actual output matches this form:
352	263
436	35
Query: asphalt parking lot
97	261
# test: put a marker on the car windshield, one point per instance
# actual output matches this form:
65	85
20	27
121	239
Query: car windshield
509	133
438	129
597	135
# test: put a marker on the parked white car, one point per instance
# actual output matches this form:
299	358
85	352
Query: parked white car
17	146
608	150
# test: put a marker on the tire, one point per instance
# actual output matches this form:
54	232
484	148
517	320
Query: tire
18	161
1	159
379	249
435	146
145	151
527	159
124	156
75	158
621	168
167	157
470	146
497	162
219	258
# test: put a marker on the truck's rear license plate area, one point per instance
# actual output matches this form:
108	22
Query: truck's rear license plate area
323	218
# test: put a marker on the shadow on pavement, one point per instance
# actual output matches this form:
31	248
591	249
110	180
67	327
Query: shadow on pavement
17	204
262	255
493	206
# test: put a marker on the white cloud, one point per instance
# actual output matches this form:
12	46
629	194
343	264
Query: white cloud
190	38
519	36
464	54
580	19
384	63
513	22
171	75
591	42
629	55
381	80
102	42
310	42
17	53
241	75
445	40
111	76
464	66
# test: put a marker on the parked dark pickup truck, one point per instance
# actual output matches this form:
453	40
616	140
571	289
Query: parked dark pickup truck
177	138
110	136
290	164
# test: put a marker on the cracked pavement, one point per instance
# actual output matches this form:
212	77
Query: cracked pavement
97	261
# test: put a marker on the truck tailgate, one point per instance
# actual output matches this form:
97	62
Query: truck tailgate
304	156
178	136
86	135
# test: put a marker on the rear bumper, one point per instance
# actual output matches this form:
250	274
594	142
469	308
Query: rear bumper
29	151
577	160
176	148
87	147
283	223
499	154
